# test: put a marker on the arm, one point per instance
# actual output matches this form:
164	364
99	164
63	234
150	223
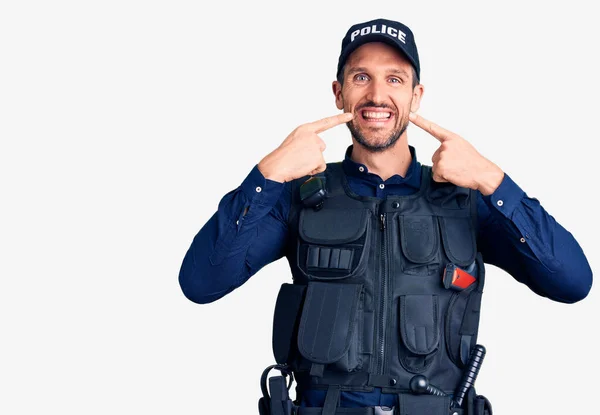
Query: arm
516	234
249	229
247	232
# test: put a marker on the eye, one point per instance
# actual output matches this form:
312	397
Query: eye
396	81
361	77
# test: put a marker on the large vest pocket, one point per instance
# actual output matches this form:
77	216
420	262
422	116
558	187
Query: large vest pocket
286	321
420	244
462	318
328	332
419	331
332	243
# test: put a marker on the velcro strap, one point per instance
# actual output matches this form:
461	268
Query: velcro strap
317	369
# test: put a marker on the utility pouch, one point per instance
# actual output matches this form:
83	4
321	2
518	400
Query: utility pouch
420	244
332	243
328	331
411	404
286	321
477	404
419	331
278	402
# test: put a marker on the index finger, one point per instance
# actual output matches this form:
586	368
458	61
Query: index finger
330	122
432	128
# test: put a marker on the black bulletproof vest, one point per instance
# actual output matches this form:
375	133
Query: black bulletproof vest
368	306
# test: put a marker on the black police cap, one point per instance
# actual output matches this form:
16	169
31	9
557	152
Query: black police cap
393	33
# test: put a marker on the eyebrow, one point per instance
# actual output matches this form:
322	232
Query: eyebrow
390	70
398	72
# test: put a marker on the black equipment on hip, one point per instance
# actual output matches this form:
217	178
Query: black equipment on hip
419	384
470	374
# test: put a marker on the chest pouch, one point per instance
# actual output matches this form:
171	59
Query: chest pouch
332	243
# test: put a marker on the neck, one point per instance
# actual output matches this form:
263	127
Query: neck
385	164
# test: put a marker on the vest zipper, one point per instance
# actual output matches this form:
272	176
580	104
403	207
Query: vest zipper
383	297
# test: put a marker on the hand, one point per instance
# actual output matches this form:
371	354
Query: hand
301	153
458	162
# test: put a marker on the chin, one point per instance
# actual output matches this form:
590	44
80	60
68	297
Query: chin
377	139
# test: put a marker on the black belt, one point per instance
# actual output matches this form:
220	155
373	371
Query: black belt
279	402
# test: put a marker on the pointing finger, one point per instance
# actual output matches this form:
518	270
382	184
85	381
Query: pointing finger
330	122
435	130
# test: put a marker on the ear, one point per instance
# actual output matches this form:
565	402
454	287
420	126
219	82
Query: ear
337	92
418	92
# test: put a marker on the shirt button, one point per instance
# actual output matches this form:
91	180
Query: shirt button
499	202
522	240
361	168
258	189
395	205
381	186
237	222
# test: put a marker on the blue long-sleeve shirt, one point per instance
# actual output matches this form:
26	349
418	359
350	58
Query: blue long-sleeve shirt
515	233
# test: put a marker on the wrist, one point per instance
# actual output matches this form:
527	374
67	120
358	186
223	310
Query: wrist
269	169
490	180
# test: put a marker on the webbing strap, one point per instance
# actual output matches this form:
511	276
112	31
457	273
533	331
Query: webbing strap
334	181
332	400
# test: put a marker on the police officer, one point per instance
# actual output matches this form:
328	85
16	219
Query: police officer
387	254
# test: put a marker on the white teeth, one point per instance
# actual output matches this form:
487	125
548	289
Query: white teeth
368	114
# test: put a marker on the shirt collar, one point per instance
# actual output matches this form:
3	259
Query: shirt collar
358	170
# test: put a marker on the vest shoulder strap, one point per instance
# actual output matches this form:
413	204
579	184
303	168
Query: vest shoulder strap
334	179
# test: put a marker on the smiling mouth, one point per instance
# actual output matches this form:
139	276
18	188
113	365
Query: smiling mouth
376	117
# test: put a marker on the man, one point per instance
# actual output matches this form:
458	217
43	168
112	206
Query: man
387	255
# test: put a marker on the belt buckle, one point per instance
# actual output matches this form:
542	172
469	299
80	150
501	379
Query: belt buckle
383	410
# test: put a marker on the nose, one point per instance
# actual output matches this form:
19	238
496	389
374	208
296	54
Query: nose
376	91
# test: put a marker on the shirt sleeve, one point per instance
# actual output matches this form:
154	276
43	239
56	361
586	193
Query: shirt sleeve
516	234
247	232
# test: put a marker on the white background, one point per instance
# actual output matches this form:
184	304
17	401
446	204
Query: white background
123	123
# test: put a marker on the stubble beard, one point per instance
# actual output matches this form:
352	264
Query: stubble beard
359	136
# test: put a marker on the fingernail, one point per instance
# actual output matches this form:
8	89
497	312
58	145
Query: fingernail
411	115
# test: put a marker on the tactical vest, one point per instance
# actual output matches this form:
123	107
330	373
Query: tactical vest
368	306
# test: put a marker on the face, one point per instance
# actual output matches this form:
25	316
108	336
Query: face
378	89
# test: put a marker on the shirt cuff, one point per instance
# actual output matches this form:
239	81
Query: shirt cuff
260	190
505	198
